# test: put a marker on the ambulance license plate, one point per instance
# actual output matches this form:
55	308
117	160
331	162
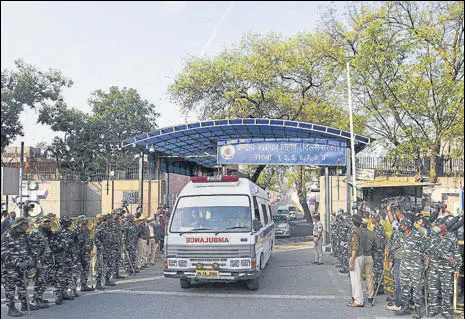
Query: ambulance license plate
207	273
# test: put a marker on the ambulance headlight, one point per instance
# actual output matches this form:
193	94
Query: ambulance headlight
245	263
172	263
182	263
234	263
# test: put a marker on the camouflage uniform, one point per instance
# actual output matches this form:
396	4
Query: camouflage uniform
16	260
333	228
64	260
412	269
130	237
346	231
395	253
41	253
103	252
445	259
115	238
83	247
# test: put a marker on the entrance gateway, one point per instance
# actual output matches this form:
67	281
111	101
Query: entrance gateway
198	148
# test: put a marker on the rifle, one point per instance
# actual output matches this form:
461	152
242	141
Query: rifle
129	260
377	288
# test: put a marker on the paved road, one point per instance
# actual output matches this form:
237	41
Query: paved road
291	287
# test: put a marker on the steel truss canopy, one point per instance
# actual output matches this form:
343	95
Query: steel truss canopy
194	145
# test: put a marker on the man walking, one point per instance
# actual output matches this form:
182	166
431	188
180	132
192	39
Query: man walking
318	240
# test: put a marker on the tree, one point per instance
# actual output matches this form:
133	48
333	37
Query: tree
27	86
92	141
265	76
121	113
408	68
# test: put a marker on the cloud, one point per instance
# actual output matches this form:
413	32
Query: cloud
174	6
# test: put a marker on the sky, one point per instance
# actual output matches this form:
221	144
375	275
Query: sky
140	45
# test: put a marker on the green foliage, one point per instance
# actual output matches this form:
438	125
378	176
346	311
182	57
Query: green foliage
264	76
27	86
407	71
92	141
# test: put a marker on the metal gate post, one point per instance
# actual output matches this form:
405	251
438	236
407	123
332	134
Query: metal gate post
141	182
348	168
327	205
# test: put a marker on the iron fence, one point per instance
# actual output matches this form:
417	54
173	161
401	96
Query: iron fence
383	166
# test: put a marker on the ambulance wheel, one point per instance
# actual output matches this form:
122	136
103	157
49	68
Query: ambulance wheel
253	284
185	283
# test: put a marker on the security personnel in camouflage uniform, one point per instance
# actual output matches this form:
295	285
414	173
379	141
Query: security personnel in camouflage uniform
116	237
337	239
444	263
16	261
43	258
346	230
64	260
103	251
378	257
130	237
83	248
333	228
412	268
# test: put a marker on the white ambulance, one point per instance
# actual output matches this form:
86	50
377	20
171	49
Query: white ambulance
220	230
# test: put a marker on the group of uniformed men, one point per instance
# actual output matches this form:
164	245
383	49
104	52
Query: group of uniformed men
60	258
420	251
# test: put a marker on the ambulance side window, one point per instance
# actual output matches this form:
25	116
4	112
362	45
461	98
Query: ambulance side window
265	215
255	206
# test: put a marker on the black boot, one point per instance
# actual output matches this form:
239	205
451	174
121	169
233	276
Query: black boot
99	285
13	312
84	287
108	282
40	304
58	298
404	310
24	306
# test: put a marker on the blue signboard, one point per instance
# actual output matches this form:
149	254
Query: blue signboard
282	152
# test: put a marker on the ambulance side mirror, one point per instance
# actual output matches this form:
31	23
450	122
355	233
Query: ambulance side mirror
257	225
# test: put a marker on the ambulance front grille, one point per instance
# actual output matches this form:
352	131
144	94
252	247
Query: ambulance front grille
234	251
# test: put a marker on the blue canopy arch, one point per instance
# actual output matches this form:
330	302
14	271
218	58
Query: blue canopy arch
194	145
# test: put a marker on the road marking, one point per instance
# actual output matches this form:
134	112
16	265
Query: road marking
220	295
128	281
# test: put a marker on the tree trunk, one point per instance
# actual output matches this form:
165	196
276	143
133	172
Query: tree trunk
303	203
301	193
257	173
432	166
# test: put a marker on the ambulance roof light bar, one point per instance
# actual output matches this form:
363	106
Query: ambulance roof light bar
210	179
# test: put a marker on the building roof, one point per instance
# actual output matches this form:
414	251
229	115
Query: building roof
196	143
